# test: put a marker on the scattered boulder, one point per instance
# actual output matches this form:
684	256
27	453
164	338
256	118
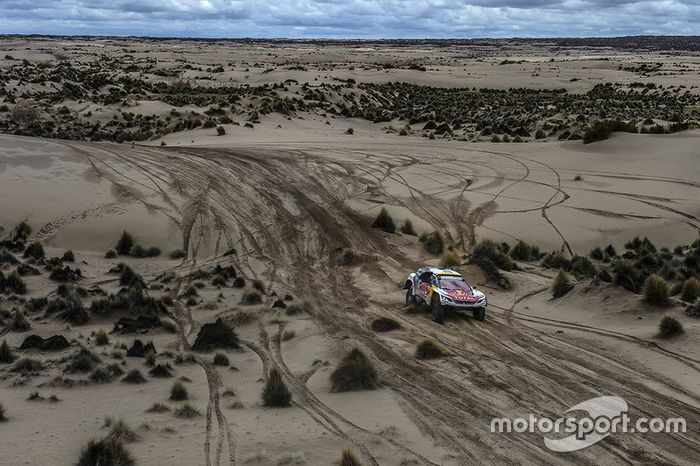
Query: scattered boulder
140	350
52	343
215	335
140	324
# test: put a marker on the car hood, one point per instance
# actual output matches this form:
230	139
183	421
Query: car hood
461	294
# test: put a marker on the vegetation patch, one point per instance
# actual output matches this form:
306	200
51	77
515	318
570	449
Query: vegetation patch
355	372
428	349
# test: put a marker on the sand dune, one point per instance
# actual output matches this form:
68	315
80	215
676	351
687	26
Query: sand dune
285	207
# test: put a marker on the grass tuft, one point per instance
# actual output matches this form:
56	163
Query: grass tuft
428	349
656	290
384	222
450	259
276	394
669	327
561	284
107	451
355	372
6	355
134	376
385	324
178	392
187	410
348	458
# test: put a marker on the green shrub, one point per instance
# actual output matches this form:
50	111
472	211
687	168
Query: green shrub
428	349
27	366
276	393
656	290
6	355
604	275
385	324
561	284
219	280
348	458
434	243
120	430
582	267
602	129
19	322
627	276
251	296
670	326
161	371
34	251
694	309
450	259
597	254
125	244
138	251
15	284
691	290
384	222
83	360
187	410
521	251
487	250
134	376
299	307
407	228
178	392
105	452
220	359
176	254
100	375
555	260
355	372
610	251
101	338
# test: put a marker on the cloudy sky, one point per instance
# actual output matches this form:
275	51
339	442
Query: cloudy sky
351	18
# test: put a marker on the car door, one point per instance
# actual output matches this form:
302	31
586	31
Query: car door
424	281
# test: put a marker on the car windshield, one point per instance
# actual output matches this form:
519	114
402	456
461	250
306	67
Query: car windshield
454	283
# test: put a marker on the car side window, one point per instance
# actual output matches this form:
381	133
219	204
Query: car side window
425	277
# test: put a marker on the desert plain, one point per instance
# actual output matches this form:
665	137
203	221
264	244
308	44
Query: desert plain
188	224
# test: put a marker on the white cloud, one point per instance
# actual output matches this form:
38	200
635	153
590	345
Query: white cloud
351	18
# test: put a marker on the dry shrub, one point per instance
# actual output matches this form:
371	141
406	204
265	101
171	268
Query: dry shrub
355	372
276	394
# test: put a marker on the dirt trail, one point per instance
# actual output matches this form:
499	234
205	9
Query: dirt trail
286	209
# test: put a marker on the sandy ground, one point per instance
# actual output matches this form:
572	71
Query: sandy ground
283	205
283	201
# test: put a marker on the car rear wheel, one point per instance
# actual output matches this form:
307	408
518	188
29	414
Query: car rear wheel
438	312
480	314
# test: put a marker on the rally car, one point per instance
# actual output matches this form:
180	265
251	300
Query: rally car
443	289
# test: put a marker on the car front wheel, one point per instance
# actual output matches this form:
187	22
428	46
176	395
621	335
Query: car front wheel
480	314
410	297
438	311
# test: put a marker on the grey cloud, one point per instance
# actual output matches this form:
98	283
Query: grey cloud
351	18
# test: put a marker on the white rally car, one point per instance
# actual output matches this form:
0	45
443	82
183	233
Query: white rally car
443	289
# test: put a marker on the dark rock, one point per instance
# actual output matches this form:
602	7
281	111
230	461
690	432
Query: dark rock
53	343
216	335
139	350
139	324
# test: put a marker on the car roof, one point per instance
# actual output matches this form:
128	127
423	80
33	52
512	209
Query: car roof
439	271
